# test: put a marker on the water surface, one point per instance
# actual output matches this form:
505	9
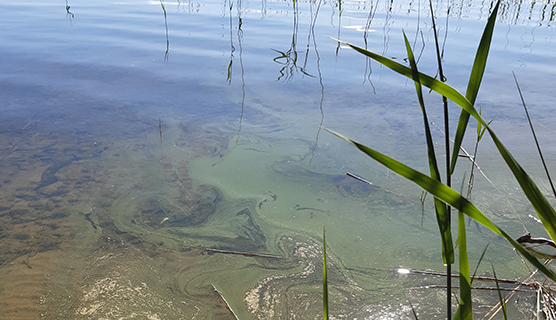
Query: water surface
137	134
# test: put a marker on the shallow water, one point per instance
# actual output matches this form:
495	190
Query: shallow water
132	141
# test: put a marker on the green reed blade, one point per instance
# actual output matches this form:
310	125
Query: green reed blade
324	278
474	82
481	57
426	80
448	196
544	210
465	310
444	89
442	217
447	152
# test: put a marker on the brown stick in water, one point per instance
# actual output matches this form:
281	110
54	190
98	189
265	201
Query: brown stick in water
261	255
224	299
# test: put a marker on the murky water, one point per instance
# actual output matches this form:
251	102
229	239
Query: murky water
140	141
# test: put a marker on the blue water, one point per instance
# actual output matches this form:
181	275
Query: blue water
136	134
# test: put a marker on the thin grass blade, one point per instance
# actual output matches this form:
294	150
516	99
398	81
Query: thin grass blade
474	82
446	150
442	217
535	136
481	57
479	263
448	196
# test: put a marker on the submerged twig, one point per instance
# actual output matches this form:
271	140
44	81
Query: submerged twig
482	278
442	286
261	255
225	301
470	157
374	185
413	311
526	238
531	243
548	303
465	155
494	311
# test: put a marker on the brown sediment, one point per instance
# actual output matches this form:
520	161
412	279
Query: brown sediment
59	245
36	200
81	233
41	186
23	286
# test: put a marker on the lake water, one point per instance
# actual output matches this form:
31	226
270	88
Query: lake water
135	135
